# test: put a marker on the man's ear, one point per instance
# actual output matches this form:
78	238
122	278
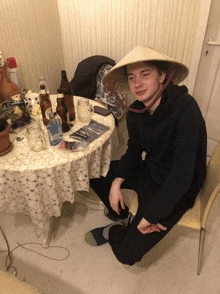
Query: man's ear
162	77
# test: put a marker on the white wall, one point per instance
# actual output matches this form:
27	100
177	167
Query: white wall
48	36
30	32
114	27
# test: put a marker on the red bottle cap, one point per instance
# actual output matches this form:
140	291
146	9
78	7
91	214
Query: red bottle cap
12	62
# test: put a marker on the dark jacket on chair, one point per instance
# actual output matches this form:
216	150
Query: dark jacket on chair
84	81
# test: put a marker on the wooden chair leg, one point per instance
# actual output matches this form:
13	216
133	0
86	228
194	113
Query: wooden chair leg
201	247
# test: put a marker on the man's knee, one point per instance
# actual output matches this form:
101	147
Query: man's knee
126	258
125	249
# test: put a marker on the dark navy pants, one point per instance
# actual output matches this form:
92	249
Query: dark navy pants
128	243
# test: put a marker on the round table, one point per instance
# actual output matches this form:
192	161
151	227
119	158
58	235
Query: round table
38	183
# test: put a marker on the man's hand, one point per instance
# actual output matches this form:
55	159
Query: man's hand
145	227
115	196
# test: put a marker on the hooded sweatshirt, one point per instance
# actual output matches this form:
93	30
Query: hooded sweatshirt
175	141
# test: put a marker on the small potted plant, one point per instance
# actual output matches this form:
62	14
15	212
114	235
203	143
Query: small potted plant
7	116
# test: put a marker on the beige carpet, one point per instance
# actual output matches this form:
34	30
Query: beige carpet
169	268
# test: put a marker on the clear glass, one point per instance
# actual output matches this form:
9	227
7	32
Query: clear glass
84	110
35	136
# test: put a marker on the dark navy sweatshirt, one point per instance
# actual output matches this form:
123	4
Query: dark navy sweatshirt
175	141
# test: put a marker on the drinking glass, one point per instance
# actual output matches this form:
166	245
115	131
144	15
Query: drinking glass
35	136
84	110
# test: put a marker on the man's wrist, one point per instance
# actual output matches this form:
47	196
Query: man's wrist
117	182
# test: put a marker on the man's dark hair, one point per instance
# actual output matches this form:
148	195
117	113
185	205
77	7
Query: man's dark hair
161	66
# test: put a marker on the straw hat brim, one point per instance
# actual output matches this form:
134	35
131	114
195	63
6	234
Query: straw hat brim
116	78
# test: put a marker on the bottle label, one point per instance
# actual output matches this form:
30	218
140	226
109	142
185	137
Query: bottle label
60	95
42	91
47	112
16	97
55	135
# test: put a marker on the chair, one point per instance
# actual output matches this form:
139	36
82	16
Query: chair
10	284
196	217
87	82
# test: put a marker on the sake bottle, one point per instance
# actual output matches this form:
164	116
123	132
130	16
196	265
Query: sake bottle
54	129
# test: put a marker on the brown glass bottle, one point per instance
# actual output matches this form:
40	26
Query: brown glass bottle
45	104
62	111
68	96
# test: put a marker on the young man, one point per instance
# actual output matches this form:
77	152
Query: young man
166	123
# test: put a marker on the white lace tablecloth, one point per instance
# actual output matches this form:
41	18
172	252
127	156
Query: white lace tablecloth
38	183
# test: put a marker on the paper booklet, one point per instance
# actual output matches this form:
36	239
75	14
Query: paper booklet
90	132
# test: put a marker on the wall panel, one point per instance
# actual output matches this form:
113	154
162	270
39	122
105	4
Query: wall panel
48	36
114	27
30	32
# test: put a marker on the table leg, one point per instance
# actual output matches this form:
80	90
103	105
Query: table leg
47	235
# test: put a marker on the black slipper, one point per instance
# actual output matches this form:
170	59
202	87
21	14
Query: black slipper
95	237
109	215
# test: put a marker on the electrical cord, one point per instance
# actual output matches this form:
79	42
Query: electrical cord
9	259
9	255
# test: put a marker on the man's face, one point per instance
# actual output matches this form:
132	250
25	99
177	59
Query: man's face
144	81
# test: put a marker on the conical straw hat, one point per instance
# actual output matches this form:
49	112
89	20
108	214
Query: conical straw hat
116	78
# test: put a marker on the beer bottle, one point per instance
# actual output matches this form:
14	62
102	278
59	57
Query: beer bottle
62	111
42	81
45	104
68	96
